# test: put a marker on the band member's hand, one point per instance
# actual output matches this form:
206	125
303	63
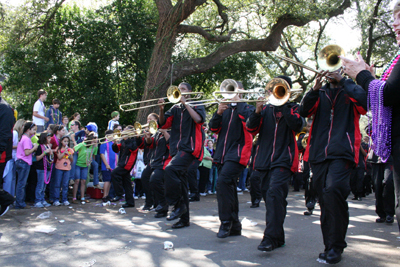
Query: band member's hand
221	108
259	105
353	67
147	135
318	81
161	100
183	99
162	130
371	69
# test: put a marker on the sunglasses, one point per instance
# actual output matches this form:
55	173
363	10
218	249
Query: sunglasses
33	125
72	124
49	134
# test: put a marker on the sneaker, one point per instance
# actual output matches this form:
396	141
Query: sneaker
56	203
240	193
209	192
45	204
143	197
246	190
66	203
3	210
39	205
203	194
136	197
238	189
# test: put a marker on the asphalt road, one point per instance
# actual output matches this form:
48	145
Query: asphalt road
93	235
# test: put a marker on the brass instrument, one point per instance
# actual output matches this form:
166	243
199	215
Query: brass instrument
304	141
328	59
298	135
153	127
174	95
279	91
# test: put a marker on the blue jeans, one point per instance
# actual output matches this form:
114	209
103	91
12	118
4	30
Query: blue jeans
61	181
81	173
72	173
9	180
242	179
95	166
40	186
213	178
22	169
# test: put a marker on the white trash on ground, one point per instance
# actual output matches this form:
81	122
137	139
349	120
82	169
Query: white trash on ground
247	222
44	215
168	245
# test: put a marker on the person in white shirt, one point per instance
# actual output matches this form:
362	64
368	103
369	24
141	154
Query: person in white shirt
39	110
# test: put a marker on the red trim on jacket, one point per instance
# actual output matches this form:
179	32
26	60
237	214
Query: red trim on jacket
295	163
132	159
167	161
307	152
197	152
248	144
314	108
168	123
359	108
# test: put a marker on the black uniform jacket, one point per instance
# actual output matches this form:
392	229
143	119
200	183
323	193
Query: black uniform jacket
276	145
234	141
335	132
159	151
186	134
7	121
128	152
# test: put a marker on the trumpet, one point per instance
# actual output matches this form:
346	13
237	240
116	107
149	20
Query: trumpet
328	59
174	95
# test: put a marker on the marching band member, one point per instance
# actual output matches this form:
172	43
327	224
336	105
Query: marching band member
332	151
276	160
231	155
186	145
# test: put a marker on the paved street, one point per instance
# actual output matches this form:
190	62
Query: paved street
93	235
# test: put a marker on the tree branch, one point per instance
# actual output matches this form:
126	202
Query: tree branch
209	37
270	43
163	7
222	14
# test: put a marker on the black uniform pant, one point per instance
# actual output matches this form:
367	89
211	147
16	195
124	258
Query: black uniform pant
255	186
228	203
396	175
331	179
6	199
204	178
192	178
384	189
146	186
357	181
176	180
157	185
275	188
121	180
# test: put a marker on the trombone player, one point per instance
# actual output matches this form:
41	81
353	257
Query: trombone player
186	145
232	155
332	151
276	157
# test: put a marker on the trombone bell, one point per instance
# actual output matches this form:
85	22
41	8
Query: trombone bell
279	91
328	57
229	85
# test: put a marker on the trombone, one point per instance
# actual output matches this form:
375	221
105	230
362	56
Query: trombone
174	95
328	59
153	127
135	132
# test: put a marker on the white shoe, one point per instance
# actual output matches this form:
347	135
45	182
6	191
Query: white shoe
56	203
66	203
143	197
209	192
39	205
135	197
45	204
240	193
246	190
238	189
203	194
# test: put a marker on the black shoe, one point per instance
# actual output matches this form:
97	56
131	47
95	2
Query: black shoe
380	220
177	212
236	229
146	208
128	205
116	199
265	245
333	256
296	190
3	210
194	198
310	205
308	212
224	229
322	255
160	208
255	204
161	214
180	224
389	219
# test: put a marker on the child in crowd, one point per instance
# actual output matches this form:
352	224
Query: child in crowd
65	122
85	151
44	167
54	114
63	168
109	160
75	117
58	131
113	121
25	150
